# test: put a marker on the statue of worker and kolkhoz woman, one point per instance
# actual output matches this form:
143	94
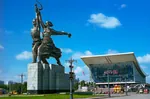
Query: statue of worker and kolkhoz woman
44	48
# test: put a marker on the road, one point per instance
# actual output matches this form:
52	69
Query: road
123	96
132	96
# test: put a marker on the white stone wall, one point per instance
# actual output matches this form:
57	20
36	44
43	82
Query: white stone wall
47	77
34	80
52	78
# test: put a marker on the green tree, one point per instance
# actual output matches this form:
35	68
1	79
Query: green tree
3	86
82	83
24	87
76	86
18	87
76	83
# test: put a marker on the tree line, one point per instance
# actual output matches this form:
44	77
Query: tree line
18	87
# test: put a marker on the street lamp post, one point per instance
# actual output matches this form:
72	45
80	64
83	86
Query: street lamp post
71	76
71	81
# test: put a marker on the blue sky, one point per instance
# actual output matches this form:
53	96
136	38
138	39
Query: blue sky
97	27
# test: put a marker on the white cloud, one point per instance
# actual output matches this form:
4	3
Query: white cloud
66	64
66	50
12	76
88	53
104	21
77	55
24	55
86	77
78	70
144	59
144	67
123	5
110	51
1	47
82	73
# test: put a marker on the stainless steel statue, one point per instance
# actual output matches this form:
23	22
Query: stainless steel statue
35	33
44	48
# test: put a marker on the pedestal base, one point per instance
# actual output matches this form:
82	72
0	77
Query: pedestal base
43	79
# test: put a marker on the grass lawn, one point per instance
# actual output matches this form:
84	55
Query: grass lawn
50	96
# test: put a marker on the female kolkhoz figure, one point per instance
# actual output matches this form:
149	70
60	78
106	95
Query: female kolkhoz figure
47	48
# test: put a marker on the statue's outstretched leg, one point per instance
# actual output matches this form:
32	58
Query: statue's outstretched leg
39	59
40	51
34	56
44	60
57	55
34	52
58	61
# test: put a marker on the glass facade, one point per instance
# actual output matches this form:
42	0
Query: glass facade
119	72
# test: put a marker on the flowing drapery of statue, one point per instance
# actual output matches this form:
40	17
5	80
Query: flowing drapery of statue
44	48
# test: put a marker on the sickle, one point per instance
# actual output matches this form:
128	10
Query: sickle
40	5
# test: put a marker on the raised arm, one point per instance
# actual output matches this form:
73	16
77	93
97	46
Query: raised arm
37	17
37	20
41	21
54	32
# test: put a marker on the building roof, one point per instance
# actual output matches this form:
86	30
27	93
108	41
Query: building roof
112	58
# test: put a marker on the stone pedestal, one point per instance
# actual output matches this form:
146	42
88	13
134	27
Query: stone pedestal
35	79
43	78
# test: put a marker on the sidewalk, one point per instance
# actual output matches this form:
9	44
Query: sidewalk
105	96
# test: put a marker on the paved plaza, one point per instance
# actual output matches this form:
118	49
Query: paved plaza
133	96
122	96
